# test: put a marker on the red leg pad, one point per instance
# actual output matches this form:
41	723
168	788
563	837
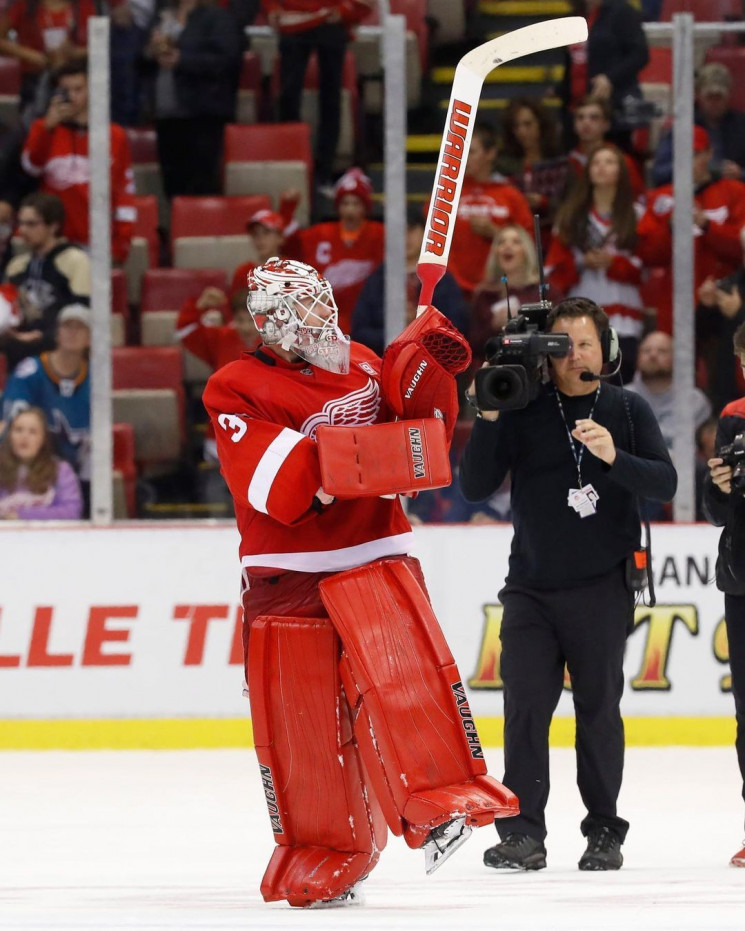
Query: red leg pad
319	808
412	720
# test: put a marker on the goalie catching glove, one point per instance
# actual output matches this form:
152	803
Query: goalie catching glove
381	459
417	376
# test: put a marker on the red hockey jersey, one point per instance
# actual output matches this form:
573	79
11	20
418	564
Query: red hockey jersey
503	204
616	288
59	158
717	248
347	264
265	412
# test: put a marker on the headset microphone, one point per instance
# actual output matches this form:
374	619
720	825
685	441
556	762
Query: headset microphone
591	376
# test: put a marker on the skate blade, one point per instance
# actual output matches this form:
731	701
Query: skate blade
435	855
353	896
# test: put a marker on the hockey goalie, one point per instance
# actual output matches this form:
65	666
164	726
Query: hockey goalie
360	719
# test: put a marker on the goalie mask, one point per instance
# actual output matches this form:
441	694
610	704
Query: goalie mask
293	307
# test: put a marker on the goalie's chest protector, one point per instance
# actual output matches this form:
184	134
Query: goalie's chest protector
303	397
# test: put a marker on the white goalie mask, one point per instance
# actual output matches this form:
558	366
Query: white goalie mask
293	307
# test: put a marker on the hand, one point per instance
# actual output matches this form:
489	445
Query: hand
729	302
290	195
597	259
483	226
731	170
601	86
721	475
471	393
169	57
699	217
597	439
324	498
26	336
707	293
121	15
58	111
212	297
534	199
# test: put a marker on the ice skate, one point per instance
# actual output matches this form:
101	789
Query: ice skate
353	896
516	852
603	851
739	857
443	841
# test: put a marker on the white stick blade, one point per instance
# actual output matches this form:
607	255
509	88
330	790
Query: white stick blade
456	141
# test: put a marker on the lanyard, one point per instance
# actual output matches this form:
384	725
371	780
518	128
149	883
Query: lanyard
572	441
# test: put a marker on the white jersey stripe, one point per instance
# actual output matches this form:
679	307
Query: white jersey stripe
334	560
269	465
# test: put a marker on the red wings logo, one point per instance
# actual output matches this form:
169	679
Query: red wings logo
357	407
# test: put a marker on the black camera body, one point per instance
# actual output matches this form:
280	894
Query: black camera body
513	378
733	455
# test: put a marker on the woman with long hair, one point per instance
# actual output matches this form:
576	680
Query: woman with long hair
530	155
592	252
511	269
34	483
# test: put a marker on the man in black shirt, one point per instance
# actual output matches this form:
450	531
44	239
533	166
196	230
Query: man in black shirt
724	506
575	482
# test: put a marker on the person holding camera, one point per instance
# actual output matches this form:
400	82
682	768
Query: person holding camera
724	506
580	453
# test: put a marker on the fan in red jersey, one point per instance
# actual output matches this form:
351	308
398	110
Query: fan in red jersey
360	718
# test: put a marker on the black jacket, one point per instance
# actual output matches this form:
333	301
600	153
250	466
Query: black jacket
211	48
616	47
728	511
553	547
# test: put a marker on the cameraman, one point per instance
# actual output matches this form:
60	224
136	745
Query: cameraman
566	598
724	506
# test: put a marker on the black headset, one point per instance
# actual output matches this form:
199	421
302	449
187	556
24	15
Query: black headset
610	345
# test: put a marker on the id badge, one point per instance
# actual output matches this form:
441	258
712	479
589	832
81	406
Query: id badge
583	500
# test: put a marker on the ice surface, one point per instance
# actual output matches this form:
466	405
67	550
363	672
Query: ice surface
163	840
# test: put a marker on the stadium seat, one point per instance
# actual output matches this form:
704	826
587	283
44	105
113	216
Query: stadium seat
249	103
704	11
119	308
368	56
148	394
734	58
144	252
210	232
164	290
268	159
309	108
146	167
125	471
449	17
656	81
10	90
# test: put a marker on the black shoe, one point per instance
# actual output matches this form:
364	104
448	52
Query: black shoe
603	851
517	852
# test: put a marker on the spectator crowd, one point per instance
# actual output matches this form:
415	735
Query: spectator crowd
578	160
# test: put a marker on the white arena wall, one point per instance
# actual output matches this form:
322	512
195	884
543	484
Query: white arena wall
130	636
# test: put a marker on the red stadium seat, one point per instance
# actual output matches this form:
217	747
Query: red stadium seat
144	252
250	98
148	393
146	166
704	11
659	69
10	90
119	308
269	158
210	232
164	290
168	288
125	470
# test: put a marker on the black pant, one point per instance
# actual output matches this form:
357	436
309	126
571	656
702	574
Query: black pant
734	612
586	628
190	155
329	42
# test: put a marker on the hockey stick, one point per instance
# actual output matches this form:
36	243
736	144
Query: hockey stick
456	141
